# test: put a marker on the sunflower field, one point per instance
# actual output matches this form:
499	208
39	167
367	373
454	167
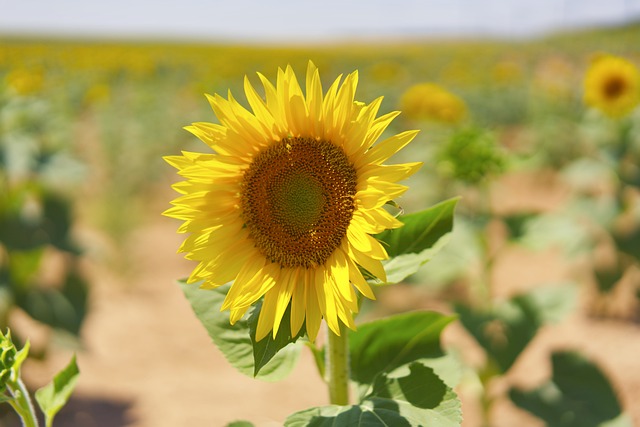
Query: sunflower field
473	260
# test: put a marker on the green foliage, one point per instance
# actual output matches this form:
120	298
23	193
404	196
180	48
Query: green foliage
471	155
52	397
423	235
267	348
240	424
269	359
36	217
506	329
385	344
7	359
418	398
578	395
607	276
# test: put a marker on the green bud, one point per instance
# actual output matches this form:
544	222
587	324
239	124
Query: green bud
471	155
7	358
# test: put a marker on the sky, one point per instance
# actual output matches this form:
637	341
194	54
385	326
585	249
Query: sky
303	21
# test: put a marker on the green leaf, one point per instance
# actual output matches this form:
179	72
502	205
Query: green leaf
266	349
21	356
422	236
5	398
503	332
506	329
578	395
234	341
23	266
240	424
421	230
54	395
22	229
449	368
563	230
607	276
59	308
403	266
385	344
419	398
553	302
516	222
58	219
629	242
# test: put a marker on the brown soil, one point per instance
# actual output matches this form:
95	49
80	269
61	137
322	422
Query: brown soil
148	362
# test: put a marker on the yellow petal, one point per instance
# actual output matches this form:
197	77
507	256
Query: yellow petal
358	280
267	314
314	100
288	279
373	266
383	150
326	299
298	302
312	306
236	314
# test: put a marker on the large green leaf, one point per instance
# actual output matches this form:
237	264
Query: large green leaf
421	230
607	276
578	395
21	229
63	308
419	398
559	229
234	341
506	329
385	344
422	236
54	395
629	242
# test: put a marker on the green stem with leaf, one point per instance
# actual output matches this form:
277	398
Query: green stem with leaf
338	367
21	403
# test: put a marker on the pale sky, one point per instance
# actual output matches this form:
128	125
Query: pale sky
300	21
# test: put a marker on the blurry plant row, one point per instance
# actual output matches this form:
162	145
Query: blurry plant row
597	226
39	260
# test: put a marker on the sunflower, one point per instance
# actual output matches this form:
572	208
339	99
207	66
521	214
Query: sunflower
286	204
432	102
612	85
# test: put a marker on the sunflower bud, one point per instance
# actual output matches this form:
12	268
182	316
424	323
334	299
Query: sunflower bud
7	358
472	155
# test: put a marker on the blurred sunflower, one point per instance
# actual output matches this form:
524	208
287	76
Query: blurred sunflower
612	85
286	205
432	102
25	81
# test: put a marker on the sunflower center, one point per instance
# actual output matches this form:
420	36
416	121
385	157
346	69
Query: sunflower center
298	201
614	87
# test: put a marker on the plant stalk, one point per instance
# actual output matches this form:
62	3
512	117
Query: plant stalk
22	403
338	366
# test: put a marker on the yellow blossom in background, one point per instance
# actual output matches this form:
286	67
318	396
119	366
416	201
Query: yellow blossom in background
612	85
25	81
432	102
286	204
507	72
98	93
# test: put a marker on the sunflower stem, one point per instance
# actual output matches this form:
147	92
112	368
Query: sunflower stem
21	403
338	367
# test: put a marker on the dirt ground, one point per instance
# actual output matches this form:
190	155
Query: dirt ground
147	361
